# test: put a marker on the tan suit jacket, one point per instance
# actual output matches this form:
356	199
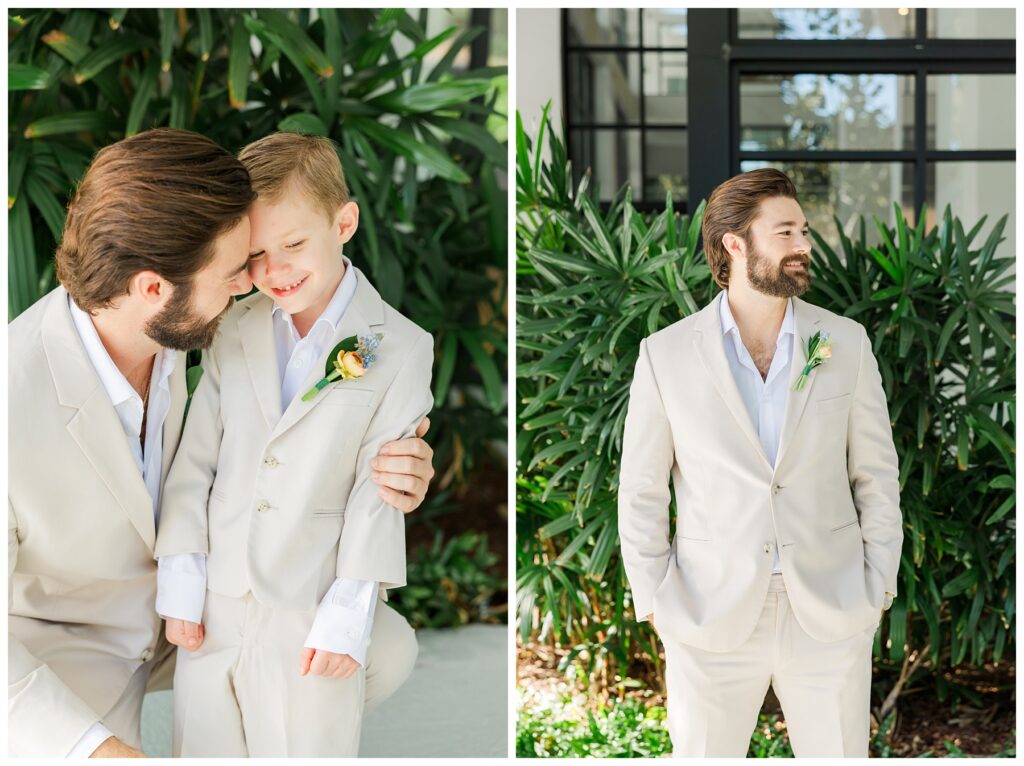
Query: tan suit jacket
831	502
81	574
282	503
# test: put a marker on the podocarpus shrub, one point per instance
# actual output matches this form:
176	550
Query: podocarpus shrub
939	308
422	143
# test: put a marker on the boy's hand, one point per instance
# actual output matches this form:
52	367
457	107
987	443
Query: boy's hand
184	633
326	664
403	469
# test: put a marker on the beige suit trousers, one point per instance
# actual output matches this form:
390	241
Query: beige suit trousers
824	688
124	720
240	694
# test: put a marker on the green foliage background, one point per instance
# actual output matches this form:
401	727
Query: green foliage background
421	136
939	306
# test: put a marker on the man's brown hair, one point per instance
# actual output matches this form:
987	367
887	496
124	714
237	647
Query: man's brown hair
732	208
311	162
152	202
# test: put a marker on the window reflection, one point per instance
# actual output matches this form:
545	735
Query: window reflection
834	111
825	23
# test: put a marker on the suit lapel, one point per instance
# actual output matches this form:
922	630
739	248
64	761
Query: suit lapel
95	427
175	415
256	331
362	316
796	401
708	342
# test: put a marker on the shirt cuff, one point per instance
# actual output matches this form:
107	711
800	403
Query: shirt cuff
181	586
94	736
344	619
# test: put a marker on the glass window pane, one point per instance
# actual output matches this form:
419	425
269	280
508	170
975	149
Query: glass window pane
972	23
664	27
665	88
604	88
971	111
604	26
974	189
848	190
438	20
666	165
497	54
826	23
837	111
613	156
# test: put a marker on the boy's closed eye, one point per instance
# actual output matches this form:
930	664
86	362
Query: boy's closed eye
290	246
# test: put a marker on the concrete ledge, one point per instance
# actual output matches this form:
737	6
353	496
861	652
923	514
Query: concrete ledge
455	703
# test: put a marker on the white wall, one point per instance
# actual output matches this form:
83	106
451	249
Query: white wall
539	66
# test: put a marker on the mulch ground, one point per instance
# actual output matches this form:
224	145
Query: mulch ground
923	723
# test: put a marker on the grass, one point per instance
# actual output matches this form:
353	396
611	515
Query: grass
628	729
559	722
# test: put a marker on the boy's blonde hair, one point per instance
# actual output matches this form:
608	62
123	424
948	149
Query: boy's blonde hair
310	161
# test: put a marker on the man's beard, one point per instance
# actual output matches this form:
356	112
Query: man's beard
177	327
775	281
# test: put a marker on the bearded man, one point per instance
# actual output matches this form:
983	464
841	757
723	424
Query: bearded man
769	416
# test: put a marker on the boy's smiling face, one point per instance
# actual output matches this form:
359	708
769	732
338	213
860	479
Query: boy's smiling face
295	252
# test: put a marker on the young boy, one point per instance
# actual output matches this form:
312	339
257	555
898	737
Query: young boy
269	511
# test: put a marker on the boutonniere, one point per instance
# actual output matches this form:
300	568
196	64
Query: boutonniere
819	348
349	359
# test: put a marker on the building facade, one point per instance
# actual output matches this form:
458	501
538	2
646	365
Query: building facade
863	108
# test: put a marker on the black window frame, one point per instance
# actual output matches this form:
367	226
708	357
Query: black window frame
717	58
918	56
641	126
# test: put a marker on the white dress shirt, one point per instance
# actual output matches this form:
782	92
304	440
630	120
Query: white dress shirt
345	615
128	406
765	399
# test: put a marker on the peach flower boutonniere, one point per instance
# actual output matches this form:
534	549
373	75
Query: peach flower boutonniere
349	359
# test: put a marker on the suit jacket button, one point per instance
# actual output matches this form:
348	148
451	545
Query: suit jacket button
263	506
270	462
776	489
147	655
767	547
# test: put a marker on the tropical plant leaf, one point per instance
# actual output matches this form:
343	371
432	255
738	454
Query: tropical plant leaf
303	122
27	77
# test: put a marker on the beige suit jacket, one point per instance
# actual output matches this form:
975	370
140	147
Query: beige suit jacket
282	503
81	574
831	501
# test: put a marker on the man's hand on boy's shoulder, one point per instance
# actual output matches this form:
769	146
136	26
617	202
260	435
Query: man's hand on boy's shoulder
403	469
326	664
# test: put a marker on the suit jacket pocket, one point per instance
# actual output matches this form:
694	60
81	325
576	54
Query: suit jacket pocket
835	403
844	525
343	396
329	511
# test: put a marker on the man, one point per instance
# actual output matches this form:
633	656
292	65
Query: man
789	531
155	246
